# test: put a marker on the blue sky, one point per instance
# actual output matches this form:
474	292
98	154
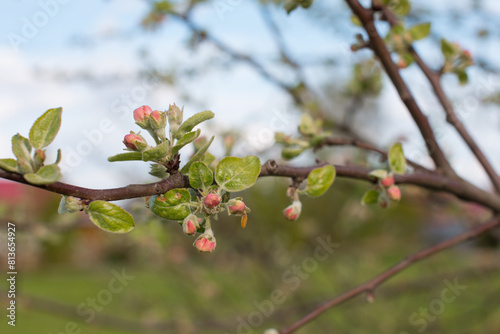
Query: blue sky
240	98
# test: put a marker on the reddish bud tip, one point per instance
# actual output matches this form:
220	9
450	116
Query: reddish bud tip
394	193
205	243
190	224
387	182
211	201
156	116
292	212
141	112
133	141
402	63
236	207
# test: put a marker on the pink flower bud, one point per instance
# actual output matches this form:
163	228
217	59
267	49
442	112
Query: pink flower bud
141	112
134	142
292	212
190	224
211	201
236	207
387	182
205	243
394	193
156	116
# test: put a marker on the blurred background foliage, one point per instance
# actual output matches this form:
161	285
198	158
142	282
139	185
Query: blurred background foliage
65	259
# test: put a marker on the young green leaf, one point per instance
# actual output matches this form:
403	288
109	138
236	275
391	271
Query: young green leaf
186	139
197	156
397	161
237	174
193	121
200	176
110	217
307	125
171	205
420	31
292	152
45	175
10	165
379	173
462	76
400	7
21	147
157	153
319	180
448	49
370	197
127	156
45	128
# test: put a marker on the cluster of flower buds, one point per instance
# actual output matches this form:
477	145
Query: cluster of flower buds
153	121
206	242
392	190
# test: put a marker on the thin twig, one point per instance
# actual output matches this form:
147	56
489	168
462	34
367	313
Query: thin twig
366	146
378	46
371	285
434	79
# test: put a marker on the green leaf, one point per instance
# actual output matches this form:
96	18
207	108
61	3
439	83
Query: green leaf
290	5
420	31
45	128
237	174
200	176
10	165
379	173
24	165
197	156
370	197
292	152
307	126
45	175
193	121
110	217
400	7
171	205
157	153
355	20
127	156
397	161
319	180
186	139
448	49
462	76
159	171
21	147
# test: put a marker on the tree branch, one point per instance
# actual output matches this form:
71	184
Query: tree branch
434	79
371	285
433	181
378	46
